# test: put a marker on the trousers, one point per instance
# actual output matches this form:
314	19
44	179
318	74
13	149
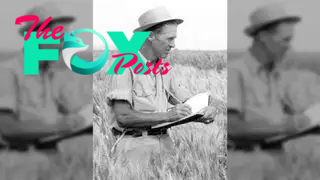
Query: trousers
139	150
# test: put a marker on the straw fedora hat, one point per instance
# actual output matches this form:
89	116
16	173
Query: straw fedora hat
153	17
44	11
269	14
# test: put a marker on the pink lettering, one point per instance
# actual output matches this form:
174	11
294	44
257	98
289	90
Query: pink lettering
133	61
149	64
34	18
139	67
167	70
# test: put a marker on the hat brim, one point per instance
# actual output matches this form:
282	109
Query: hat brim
251	30
69	19
143	28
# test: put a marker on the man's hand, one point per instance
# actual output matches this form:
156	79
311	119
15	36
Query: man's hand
209	114
179	111
63	127
295	123
70	122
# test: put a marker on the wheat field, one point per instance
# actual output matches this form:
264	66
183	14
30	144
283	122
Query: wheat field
200	149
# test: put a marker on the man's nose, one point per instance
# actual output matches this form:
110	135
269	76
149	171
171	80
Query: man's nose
287	47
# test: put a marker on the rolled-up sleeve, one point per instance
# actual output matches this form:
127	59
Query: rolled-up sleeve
121	88
8	90
235	91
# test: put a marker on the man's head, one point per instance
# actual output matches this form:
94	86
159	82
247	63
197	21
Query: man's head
163	29
162	38
273	29
43	12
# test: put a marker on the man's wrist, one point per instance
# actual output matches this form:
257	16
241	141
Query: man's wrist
288	126
297	122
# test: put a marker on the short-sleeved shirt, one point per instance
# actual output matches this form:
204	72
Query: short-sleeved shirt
145	93
254	91
46	97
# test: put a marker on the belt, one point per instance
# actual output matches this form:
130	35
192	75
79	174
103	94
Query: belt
250	147
139	133
26	147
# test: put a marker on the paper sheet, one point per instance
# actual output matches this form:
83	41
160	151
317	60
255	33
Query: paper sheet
313	113
198	102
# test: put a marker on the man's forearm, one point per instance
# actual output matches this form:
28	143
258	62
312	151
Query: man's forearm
239	129
136	119
11	129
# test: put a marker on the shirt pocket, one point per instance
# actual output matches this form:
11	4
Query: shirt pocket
143	98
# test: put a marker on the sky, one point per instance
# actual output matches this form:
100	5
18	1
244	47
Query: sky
305	34
204	26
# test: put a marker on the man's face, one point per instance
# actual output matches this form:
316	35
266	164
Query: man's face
278	42
164	41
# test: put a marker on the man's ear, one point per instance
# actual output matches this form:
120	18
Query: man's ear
262	36
152	36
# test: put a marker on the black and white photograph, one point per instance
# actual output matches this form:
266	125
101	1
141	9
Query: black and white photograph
273	90
45	119
171	126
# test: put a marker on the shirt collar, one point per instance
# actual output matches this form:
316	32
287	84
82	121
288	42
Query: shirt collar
253	65
256	67
144	59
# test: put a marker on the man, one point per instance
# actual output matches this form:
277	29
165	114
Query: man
36	106
141	101
257	107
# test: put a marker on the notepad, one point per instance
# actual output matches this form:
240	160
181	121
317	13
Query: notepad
197	104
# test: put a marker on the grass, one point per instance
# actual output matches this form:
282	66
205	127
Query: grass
200	149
